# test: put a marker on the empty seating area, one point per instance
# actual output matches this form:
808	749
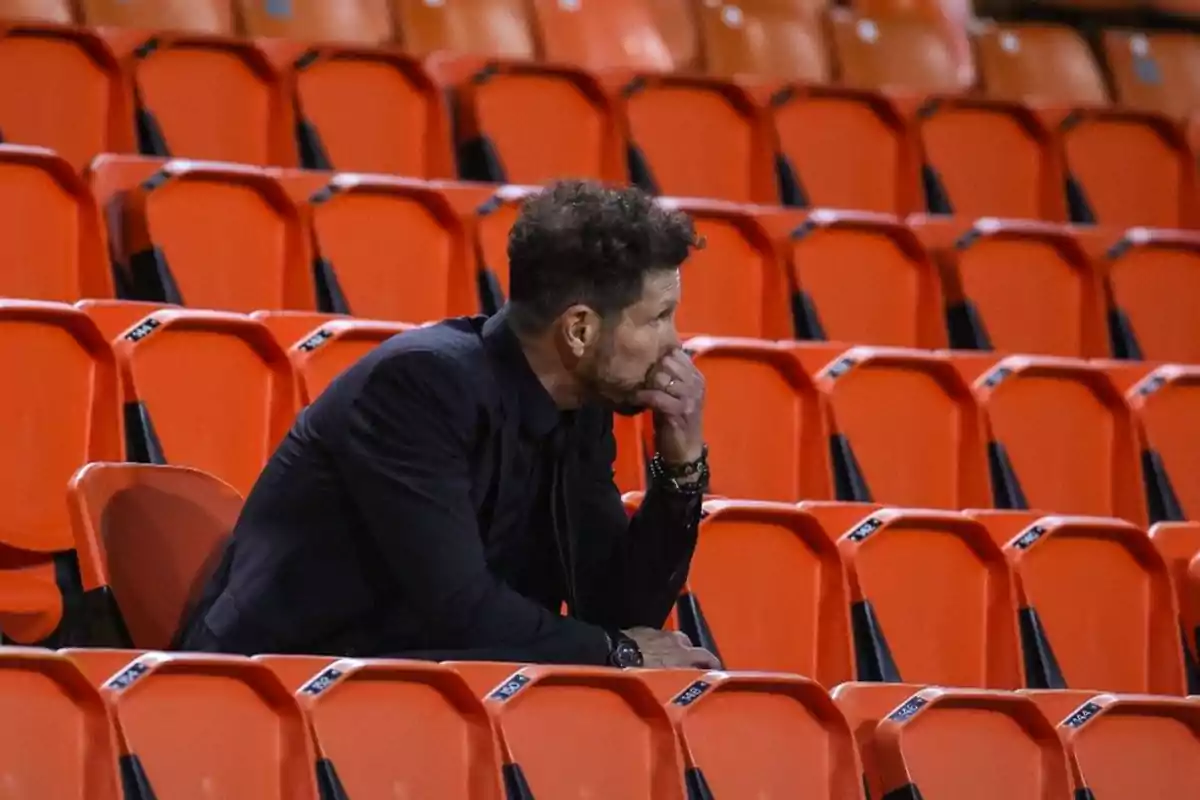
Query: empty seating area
948	314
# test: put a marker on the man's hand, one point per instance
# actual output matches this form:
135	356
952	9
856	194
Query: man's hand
670	649
675	392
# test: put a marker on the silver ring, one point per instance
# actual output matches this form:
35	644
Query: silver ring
670	383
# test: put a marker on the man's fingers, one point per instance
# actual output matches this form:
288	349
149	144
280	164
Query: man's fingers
702	659
661	401
683	638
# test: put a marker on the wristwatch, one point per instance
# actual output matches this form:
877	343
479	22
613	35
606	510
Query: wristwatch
623	652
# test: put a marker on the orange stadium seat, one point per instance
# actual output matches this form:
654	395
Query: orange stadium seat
777	450
583	731
426	733
952	19
1060	437
1018	286
333	348
1134	745
1179	543
904	430
291	327
931	601
218	236
62	411
1155	71
205	389
495	28
295	671
601	34
901	52
248	121
736	284
970	743
1058	704
864	277
1166	403
114	317
788	736
1124	167
863	705
98	664
765	38
365	22
390	249
58	741
148	537
364	109
222	726
1096	607
52	239
1155	295
767	583
676	23
493	220
77	106
191	16
56	11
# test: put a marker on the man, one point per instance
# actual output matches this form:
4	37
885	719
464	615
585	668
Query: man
449	492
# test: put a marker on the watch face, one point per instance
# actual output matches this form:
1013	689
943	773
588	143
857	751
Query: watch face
627	655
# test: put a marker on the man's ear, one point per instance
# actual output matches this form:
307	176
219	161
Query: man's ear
580	328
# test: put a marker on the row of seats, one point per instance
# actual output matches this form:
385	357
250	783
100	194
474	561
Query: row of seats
238	238
187	726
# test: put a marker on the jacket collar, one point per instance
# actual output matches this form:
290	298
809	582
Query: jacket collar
538	412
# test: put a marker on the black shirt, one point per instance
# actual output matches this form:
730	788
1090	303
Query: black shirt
411	511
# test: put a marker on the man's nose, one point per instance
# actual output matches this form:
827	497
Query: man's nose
671	342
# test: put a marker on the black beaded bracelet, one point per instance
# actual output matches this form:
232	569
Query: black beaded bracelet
669	475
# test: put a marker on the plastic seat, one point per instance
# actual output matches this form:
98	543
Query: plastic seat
584	732
1096	607
390	249
499	28
864	705
295	672
1058	704
765	38
61	412
291	327
864	277
905	430
56	11
218	236
333	348
788	734
192	725
1166	403
1125	167
149	536
951	618
767	588
428	734
601	34
77	107
1155	289
51	240
903	52
1133	745
1155	71
58	741
1179	543
777	450
114	317
1021	287
943	742
736	284
205	389
365	22
99	664
951	18
1061	438
676	23
191	16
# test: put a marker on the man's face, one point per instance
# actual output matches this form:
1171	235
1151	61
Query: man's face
632	344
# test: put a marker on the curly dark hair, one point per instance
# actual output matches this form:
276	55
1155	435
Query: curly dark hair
581	242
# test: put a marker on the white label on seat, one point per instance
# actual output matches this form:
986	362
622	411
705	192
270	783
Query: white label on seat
435	3
1139	45
732	16
868	31
1010	42
568	5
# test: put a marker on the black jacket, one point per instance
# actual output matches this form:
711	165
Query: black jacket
382	524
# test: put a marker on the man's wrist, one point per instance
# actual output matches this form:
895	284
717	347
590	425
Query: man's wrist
689	477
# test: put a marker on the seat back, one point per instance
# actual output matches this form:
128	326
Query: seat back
292	327
114	317
295	671
601	34
334	348
951	620
1166	403
1060	437
360	21
1097	608
1155	71
940	741
953	20
98	664
243	733
764	37
789	735
46	699
51	239
498	28
1179	544
863	705
767	582
1154	279
390	249
216	236
585	731
205	389
894	52
191	16
1038	61
904	429
777	451
676	23
428	734
149	537
56	11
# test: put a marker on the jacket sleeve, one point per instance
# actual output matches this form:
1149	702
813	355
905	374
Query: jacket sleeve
647	561
404	457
